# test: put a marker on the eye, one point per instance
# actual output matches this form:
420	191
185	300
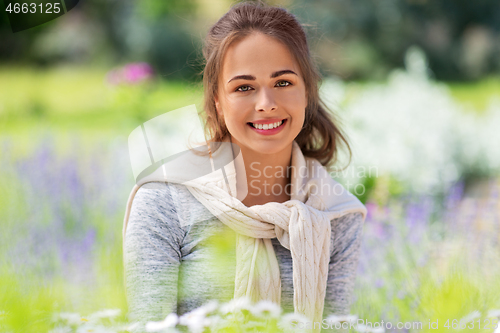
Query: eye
243	90
283	81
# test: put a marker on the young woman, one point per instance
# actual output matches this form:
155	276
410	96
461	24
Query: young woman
294	238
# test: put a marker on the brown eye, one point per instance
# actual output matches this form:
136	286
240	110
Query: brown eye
287	83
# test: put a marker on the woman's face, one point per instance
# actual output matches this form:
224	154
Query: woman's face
261	84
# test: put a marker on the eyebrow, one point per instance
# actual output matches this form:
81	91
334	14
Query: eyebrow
273	75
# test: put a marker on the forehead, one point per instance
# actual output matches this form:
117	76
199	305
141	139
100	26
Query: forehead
257	54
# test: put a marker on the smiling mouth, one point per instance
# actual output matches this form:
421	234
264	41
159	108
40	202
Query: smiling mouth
268	126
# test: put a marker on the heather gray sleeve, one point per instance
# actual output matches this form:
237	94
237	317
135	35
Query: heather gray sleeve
152	254
347	236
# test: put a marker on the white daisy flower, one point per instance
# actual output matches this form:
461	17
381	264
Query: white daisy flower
197	320
294	322
216	322
70	318
470	317
266	309
236	304
109	313
208	307
494	313
169	322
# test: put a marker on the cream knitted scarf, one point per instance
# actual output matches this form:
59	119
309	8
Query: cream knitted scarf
301	225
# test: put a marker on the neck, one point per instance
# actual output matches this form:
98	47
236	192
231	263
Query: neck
267	176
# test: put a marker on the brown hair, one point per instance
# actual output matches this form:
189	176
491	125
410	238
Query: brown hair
320	135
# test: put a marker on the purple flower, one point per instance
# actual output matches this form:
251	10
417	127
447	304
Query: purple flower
371	208
379	230
455	195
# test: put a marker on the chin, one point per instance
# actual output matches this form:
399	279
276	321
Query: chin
270	147
263	145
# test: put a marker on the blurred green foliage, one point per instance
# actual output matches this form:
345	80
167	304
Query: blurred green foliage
476	97
354	39
80	99
158	10
359	39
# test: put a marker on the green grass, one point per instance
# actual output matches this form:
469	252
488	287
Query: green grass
79	101
476	96
30	301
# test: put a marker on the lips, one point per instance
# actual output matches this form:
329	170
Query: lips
268	126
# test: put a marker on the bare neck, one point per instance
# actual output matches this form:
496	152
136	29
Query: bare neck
268	176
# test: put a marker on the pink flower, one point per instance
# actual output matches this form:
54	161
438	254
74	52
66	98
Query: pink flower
130	74
137	72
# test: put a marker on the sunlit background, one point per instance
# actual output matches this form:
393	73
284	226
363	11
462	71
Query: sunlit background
416	84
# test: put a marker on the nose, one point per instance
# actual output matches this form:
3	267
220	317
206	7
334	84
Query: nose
266	101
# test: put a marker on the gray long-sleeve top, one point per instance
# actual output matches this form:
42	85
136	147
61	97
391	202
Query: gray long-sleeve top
178	256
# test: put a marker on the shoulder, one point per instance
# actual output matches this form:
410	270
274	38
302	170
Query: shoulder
152	209
153	196
347	220
153	233
346	230
345	225
170	202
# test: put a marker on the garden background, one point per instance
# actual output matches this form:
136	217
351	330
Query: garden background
416	84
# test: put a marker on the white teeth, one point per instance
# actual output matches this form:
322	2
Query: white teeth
267	126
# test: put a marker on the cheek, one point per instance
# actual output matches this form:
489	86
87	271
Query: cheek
296	102
296	98
299	121
234	109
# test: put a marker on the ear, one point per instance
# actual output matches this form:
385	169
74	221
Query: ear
217	105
